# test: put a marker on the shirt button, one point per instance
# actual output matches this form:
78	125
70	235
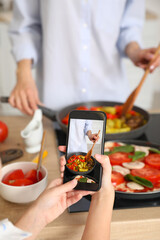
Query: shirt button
85	25
85	47
85	69
84	90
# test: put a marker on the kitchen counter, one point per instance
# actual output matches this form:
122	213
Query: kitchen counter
128	224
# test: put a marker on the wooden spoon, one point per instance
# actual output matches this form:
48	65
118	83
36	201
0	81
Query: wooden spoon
40	156
127	106
89	154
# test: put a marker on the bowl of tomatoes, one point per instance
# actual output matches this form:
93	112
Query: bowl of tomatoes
78	165
19	182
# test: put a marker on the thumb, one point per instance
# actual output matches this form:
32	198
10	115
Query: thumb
66	187
62	148
148	56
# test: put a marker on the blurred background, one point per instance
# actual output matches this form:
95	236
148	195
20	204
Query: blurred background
149	97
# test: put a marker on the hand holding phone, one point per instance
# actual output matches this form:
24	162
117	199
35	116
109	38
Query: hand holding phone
83	131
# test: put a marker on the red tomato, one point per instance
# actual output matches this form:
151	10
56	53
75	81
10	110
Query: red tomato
31	175
82	108
119	158
117	178
95	108
20	182
150	174
132	112
13	175
111	116
65	119
3	131
118	109
153	160
157	185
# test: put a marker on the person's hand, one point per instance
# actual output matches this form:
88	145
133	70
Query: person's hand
62	160
50	204
57	198
25	94
142	57
107	187
93	137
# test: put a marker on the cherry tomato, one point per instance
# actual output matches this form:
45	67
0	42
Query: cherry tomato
119	158
13	175
150	174
153	160
82	108
95	108
20	182
65	119
119	109
111	116
132	112
3	131
117	178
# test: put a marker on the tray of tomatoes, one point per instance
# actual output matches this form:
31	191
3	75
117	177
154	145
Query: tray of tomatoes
135	168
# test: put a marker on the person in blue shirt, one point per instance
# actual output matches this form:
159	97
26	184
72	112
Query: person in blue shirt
79	129
77	48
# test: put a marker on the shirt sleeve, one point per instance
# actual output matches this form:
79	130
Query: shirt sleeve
131	24
88	126
9	232
25	30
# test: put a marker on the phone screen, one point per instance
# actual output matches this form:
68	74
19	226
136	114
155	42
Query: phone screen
83	133
86	131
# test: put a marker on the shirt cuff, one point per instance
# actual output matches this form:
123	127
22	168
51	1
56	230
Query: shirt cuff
9	231
26	46
126	37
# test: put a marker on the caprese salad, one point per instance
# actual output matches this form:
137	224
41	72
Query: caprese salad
134	168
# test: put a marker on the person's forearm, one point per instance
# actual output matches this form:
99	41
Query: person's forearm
24	66
131	50
99	218
31	222
89	134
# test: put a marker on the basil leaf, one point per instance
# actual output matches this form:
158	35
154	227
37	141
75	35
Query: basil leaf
154	150
139	180
107	153
125	148
83	180
137	155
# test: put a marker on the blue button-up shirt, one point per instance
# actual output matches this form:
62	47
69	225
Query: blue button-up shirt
78	45
77	135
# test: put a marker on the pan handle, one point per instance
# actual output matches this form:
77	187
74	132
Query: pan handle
47	112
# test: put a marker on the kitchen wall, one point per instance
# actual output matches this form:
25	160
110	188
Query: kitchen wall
149	97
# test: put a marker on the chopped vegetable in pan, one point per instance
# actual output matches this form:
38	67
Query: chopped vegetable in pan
79	164
116	124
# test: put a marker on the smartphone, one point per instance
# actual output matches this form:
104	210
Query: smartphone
86	131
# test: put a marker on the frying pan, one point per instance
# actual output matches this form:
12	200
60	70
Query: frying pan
59	115
81	173
143	195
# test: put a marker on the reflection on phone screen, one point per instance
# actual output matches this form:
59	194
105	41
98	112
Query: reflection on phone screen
83	133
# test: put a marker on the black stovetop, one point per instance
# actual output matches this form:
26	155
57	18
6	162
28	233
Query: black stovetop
151	135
